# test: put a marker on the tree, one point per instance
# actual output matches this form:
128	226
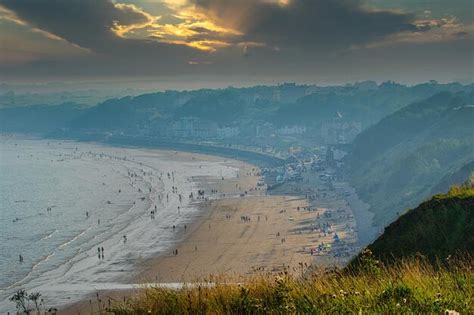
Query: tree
22	300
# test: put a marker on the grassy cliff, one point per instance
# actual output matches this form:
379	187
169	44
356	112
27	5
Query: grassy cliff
438	228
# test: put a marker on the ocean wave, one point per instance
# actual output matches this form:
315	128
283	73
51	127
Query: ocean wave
48	235
74	238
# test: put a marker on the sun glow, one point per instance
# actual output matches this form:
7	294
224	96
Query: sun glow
194	29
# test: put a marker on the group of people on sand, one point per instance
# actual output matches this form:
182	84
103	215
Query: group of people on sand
245	218
100	252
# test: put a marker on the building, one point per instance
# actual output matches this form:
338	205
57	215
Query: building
339	130
194	128
228	132
292	130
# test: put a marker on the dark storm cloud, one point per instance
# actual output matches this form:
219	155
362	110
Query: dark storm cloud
89	24
318	24
312	37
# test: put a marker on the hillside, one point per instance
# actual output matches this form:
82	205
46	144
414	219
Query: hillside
221	106
130	114
397	162
436	229
366	104
281	105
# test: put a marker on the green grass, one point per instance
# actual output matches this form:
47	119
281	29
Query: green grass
409	287
457	192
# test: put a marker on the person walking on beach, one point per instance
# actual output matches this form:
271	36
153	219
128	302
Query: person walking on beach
21	258
102	250
98	252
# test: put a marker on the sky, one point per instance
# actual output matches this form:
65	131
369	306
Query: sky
236	42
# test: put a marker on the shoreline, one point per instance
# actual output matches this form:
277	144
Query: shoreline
259	159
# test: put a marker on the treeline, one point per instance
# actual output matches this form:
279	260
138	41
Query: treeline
286	104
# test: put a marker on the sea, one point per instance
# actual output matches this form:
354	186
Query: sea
60	201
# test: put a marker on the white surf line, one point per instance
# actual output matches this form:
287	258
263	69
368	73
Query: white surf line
74	238
90	287
49	235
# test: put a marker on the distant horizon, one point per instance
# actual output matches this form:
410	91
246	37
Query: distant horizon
162	85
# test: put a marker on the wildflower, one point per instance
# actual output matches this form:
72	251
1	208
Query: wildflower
451	312
398	305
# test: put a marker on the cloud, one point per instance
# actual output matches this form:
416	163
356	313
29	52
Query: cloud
208	25
445	30
306	24
92	24
101	24
103	28
265	38
144	19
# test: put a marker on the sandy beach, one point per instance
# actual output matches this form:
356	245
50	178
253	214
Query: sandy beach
242	230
